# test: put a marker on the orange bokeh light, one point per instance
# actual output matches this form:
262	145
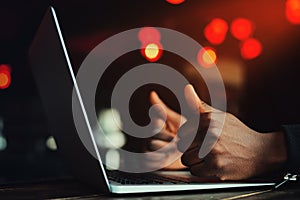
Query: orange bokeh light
152	51
241	28
251	48
148	35
207	57
292	11
176	2
5	78
215	32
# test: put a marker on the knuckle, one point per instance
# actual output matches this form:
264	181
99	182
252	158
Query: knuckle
214	151
222	177
218	162
218	149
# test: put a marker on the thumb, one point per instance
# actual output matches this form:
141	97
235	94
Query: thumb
193	100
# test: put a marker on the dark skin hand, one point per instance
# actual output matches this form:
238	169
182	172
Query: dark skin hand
238	151
170	126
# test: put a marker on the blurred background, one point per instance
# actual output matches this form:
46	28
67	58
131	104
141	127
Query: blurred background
255	44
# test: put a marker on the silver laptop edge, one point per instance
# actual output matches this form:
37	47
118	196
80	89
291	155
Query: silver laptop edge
76	89
54	76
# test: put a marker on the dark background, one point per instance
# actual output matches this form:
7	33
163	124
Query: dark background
265	96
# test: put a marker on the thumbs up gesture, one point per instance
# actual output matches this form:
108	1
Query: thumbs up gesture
224	146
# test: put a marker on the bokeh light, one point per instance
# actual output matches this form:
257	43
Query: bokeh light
5	76
176	2
207	57
51	144
241	28
151	48
292	11
111	125
148	35
215	32
251	48
3	143
152	52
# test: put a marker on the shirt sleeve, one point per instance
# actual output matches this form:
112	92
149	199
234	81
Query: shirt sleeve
292	133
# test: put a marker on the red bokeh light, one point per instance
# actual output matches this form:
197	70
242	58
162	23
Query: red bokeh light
207	57
152	51
251	48
5	77
175	1
241	28
292	11
148	35
151	48
215	32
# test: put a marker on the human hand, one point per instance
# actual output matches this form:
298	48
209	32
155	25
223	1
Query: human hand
170	121
237	152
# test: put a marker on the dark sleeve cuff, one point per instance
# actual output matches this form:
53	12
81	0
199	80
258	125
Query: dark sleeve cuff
292	133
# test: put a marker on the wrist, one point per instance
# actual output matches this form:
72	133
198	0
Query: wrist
275	150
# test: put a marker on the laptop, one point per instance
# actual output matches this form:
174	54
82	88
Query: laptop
56	81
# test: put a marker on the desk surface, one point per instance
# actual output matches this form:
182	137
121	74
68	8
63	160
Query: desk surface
72	189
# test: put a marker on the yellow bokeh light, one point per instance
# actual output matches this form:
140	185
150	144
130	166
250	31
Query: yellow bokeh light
209	56
152	51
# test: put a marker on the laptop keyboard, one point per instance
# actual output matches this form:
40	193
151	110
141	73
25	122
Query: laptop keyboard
145	178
